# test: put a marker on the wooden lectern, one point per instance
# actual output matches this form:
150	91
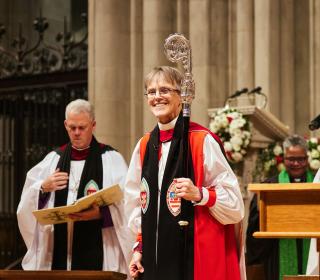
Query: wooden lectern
61	274
289	211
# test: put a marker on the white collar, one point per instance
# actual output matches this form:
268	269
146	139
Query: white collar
169	125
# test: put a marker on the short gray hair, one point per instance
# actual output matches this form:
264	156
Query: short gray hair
80	106
169	74
295	140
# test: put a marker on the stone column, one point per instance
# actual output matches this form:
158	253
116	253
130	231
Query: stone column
199	38
183	17
136	76
302	61
232	48
218	54
109	71
287	89
245	47
158	23
266	59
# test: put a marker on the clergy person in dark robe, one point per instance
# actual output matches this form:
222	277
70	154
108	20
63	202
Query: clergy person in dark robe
281	257
98	239
157	195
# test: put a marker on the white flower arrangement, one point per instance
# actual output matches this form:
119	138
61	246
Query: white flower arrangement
234	131
314	153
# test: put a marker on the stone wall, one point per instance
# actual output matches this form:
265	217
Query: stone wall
236	43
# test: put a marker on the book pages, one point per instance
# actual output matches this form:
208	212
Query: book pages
58	215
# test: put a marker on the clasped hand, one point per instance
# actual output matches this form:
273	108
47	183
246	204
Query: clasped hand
57	181
187	190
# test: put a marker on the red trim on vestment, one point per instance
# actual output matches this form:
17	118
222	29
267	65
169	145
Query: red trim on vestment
212	198
139	237
165	135
79	154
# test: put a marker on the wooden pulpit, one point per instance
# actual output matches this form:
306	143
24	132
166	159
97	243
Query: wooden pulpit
289	211
61	274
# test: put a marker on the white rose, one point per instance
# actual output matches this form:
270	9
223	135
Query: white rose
315	164
220	120
236	140
237	132
227	146
214	127
314	140
224	121
237	156
242	122
315	153
235	124
231	130
318	148
217	120
236	147
277	150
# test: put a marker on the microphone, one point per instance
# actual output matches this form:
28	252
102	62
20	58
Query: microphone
256	90
239	92
315	123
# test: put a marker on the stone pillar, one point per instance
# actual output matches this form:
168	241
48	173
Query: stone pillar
266	59
183	17
109	71
199	38
218	54
158	23
287	69
245	47
302	71
232	49
136	76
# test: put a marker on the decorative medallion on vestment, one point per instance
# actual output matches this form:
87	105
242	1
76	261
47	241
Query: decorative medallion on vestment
90	188
144	195
173	201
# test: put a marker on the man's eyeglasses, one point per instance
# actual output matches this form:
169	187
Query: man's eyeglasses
296	159
151	93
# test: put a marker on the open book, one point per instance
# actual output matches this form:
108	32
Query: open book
59	214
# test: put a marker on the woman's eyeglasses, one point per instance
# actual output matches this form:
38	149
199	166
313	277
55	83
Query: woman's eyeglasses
162	91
